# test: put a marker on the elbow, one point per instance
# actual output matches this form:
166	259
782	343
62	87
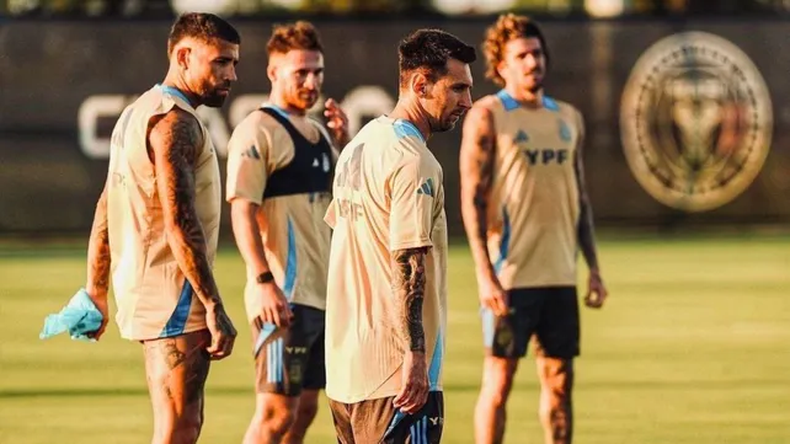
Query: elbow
172	230
242	213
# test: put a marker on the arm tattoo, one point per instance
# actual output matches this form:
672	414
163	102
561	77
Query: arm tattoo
586	232
408	285
99	251
175	140
478	154
481	184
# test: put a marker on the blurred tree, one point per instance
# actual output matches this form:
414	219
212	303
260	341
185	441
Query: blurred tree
162	8
352	6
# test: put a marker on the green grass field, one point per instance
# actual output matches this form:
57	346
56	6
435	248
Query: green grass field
692	347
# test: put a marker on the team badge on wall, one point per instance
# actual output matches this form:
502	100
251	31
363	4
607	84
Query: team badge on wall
696	121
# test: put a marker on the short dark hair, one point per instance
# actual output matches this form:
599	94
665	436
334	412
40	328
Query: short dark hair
202	26
299	35
508	27
429	50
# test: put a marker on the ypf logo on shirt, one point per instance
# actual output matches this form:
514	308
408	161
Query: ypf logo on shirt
696	121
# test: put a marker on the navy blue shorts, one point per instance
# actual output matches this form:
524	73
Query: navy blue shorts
550	314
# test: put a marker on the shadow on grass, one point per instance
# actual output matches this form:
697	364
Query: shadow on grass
449	388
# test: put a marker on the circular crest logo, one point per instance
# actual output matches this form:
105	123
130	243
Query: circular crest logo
696	121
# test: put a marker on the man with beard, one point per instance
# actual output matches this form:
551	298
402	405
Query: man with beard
280	166
386	304
526	212
157	222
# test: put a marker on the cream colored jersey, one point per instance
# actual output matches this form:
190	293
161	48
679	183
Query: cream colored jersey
285	164
388	195
534	208
154	298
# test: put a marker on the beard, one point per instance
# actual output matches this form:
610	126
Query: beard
214	96
305	99
446	124
536	84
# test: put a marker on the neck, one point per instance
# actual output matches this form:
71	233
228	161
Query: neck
526	97
279	101
410	110
174	80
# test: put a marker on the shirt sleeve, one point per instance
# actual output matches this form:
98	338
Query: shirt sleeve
413	189
247	168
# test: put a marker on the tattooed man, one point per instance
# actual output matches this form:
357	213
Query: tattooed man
386	309
526	213
156	225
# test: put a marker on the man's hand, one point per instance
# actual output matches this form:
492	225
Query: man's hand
414	392
337	121
274	305
100	301
596	291
223	333
492	296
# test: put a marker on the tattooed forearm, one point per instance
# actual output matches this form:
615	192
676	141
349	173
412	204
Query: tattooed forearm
586	232
174	141
408	284
98	280
478	151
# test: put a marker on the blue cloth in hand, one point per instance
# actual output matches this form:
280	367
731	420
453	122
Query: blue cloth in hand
79	317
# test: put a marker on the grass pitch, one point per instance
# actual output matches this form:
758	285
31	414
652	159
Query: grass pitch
692	347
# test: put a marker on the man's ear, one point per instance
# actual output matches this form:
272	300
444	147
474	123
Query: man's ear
182	56
420	84
500	67
271	72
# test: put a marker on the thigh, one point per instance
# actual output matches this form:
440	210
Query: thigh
341	417
282	364
508	336
176	370
376	421
558	332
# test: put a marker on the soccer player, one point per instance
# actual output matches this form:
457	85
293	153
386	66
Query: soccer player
280	167
386	301
156	225
526	212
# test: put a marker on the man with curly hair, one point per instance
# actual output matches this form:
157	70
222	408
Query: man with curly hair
526	213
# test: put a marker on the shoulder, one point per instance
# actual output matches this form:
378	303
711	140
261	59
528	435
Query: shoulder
175	126
258	122
565	109
482	114
259	129
491	102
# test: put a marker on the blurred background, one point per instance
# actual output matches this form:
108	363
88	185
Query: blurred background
594	8
687	112
675	143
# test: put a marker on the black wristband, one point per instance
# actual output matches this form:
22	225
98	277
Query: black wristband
265	277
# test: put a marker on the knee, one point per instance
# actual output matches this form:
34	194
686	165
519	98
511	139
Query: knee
183	430
497	382
188	430
557	378
276	421
307	411
556	386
